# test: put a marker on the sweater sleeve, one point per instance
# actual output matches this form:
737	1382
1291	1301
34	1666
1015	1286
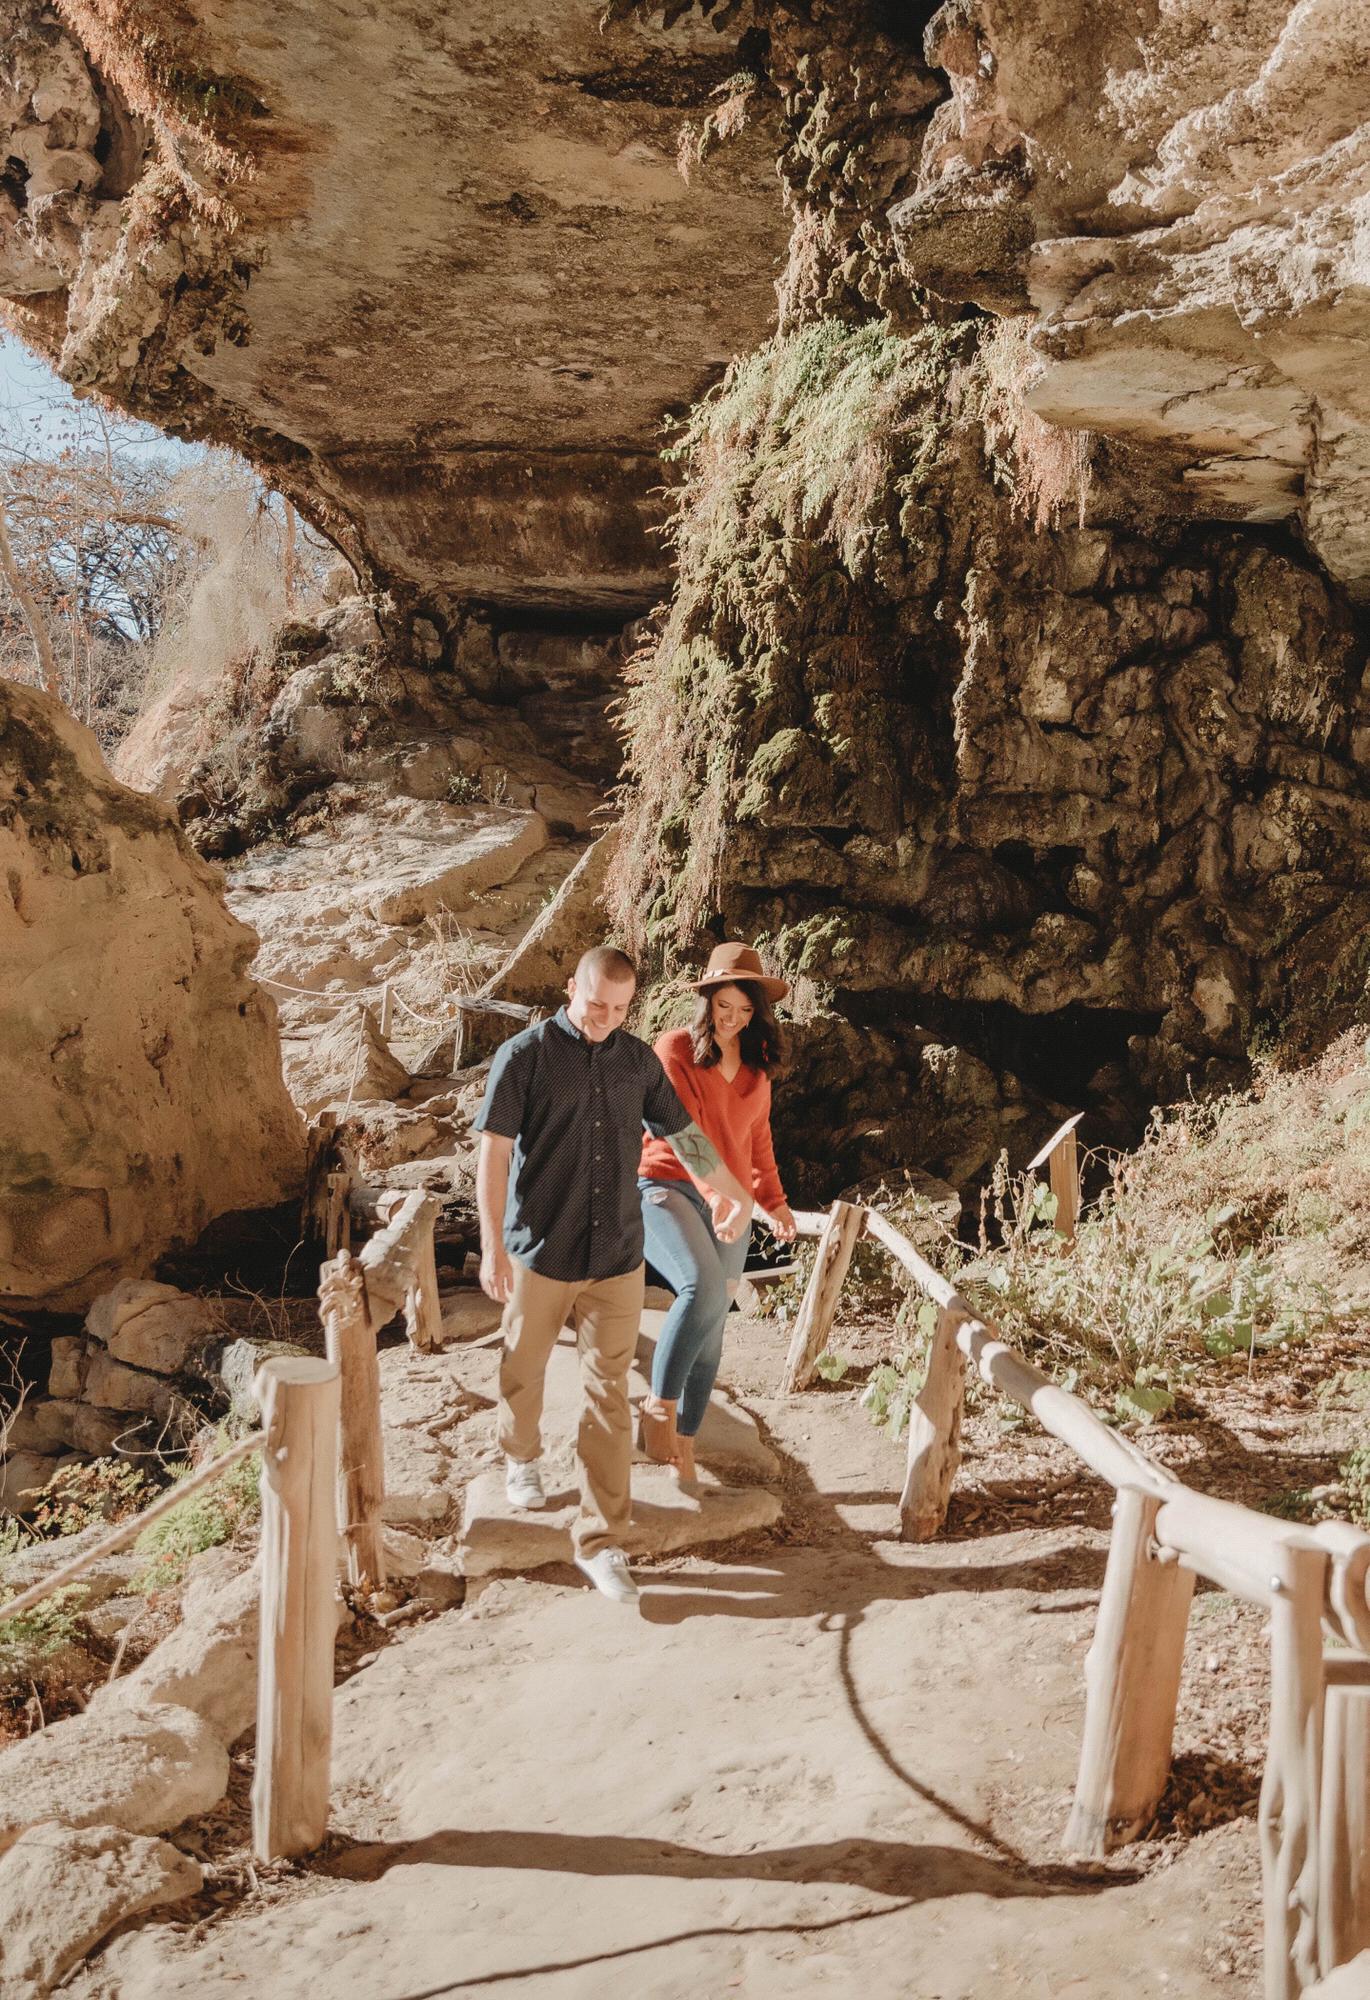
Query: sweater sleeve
765	1174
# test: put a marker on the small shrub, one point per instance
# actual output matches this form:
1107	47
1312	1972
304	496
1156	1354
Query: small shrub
108	1489
1355	1477
204	1520
463	789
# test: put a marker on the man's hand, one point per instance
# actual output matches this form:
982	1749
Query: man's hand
497	1273
783	1227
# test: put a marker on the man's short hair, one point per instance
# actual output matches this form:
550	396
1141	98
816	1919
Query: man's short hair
608	962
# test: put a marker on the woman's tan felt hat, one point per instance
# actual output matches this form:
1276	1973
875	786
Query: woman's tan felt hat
731	962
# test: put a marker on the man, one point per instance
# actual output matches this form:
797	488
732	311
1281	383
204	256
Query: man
561	1234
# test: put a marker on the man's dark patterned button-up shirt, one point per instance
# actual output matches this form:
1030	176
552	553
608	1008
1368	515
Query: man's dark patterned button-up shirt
575	1110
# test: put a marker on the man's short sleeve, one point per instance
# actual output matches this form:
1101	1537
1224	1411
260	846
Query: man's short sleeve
506	1091
662	1111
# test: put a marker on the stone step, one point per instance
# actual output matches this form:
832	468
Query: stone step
737	1491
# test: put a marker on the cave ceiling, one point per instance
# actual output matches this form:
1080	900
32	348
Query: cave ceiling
435	268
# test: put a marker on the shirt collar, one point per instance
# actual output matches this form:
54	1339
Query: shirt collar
568	1027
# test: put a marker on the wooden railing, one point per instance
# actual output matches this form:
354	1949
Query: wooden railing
1314	1815
323	1478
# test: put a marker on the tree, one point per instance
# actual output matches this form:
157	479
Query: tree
117	545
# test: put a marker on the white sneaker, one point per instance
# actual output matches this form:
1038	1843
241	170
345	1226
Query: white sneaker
609	1572
523	1483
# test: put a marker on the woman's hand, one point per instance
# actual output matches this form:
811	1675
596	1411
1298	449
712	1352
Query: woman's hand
783	1227
730	1218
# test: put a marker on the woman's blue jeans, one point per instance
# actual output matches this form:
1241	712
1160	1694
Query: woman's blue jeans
682	1246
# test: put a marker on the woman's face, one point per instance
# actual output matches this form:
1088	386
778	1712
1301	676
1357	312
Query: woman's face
731	1012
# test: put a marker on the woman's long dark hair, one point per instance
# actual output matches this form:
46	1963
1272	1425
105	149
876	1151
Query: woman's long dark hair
761	1043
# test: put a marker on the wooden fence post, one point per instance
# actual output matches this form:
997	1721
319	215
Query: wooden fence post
1293	1772
387	1014
422	1307
1064	1172
299	1404
934	1435
1132	1682
1061	1157
840	1232
1344	1813
350	1339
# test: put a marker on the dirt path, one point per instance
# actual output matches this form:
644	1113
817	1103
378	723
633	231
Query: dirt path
824	1762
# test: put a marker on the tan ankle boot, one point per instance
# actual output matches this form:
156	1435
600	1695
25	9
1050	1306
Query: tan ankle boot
686	1471
658	1429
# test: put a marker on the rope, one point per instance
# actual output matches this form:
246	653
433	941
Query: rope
426	1019
331	1000
129	1531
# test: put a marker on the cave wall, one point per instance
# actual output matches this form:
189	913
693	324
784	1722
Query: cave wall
1012	684
1083	806
142	1094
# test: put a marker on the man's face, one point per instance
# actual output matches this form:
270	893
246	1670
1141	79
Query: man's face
596	1005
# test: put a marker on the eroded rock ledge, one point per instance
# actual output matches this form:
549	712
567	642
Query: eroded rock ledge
142	1081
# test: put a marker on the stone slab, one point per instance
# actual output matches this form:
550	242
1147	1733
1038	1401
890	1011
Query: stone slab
665	1519
733	1497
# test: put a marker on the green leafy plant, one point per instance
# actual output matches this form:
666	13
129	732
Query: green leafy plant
204	1520
831	1367
107	1489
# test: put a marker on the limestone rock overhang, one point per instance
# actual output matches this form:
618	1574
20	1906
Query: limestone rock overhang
1179	198
435	270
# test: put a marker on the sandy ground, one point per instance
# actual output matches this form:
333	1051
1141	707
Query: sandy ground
816	1762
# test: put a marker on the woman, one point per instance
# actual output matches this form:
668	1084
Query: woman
719	1066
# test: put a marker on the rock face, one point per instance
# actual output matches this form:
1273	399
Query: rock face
1084	808
143	1089
458	350
1177	201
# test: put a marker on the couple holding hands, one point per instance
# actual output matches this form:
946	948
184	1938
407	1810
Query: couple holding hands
595	1149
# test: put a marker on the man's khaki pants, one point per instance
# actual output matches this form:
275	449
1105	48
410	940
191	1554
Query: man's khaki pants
607	1315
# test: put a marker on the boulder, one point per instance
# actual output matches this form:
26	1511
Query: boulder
352	625
112	1386
142	1769
149	1326
234	1369
536	972
67	1373
468	1315
71	1426
349	1059
23	1475
143	1089
64	1888
208	1664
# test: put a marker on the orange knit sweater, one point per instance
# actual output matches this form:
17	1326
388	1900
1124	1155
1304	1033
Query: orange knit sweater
736	1116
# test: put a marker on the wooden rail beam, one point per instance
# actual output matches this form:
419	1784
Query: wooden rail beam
299	1400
